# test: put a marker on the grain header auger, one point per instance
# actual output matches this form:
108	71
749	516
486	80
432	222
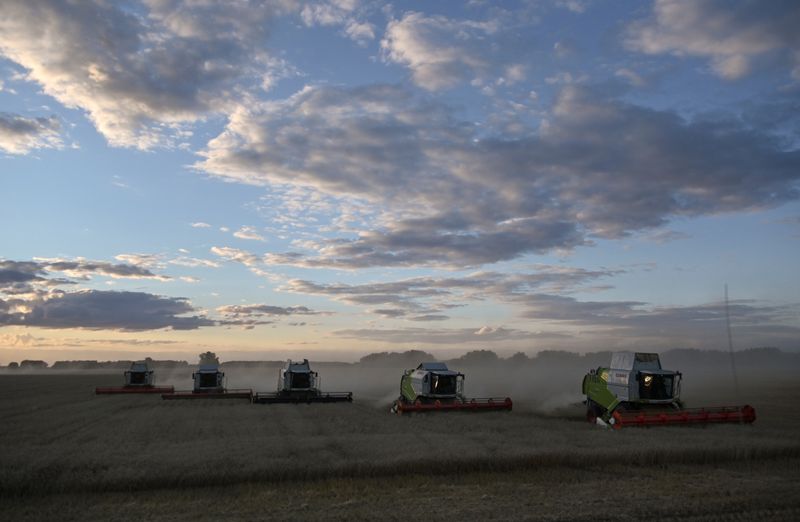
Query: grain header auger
138	379
209	383
636	391
433	387
298	383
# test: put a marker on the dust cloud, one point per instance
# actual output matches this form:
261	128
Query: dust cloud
548	383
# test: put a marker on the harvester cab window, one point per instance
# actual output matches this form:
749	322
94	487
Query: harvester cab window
138	377
443	384
655	387
208	380
301	380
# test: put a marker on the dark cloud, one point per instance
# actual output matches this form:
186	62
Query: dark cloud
252	315
105	310
20	272
19	134
429	317
263	309
29	297
598	167
31	280
423	298
389	313
83	268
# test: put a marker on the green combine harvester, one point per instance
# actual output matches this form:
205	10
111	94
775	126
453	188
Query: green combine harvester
636	391
434	387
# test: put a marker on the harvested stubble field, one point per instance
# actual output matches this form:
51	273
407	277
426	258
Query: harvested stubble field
67	454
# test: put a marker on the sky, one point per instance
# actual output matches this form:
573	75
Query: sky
327	179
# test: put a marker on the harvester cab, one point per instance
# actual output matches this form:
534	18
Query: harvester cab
208	378
298	383
297	377
139	375
433	386
636	390
430	382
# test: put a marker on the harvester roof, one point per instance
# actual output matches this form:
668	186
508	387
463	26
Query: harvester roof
436	367
139	366
635	360
298	367
208	368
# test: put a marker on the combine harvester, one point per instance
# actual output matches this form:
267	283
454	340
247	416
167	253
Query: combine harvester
209	383
139	379
298	383
636	391
433	387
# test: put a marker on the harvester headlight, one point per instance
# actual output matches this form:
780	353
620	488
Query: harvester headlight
648	380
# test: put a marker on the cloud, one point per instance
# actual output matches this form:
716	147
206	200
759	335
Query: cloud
20	272
248	233
200	224
346	13
263	309
252	315
632	77
36	270
598	167
442	52
732	34
29	297
427	297
702	326
235	254
665	236
19	340
141	260
83	268
193	262
104	310
440	336
20	135
141	71
576	6
429	317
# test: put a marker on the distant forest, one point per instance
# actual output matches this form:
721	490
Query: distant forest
754	358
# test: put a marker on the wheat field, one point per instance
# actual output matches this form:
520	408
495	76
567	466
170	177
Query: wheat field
67	453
